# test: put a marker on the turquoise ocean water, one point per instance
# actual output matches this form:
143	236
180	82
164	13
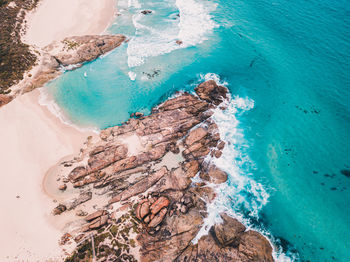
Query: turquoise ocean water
287	126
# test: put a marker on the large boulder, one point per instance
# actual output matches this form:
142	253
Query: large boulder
255	247
214	175
211	92
195	135
229	232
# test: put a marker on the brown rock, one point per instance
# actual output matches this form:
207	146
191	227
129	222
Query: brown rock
229	232
77	173
217	153
96	215
140	186
195	135
80	49
221	145
138	114
142	209
211	92
255	247
147	219
5	99
159	204
59	209
105	133
158	218
81	213
83	197
191	168
98	222
65	238
214	175
62	187
104	156
79	237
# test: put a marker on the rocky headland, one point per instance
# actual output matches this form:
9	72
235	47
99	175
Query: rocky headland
69	53
130	195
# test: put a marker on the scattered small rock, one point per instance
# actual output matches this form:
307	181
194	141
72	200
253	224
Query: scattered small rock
81	213
138	114
62	187
65	238
59	209
146	12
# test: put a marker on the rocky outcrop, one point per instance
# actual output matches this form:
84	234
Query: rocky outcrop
151	208
80	49
4	99
71	51
211	92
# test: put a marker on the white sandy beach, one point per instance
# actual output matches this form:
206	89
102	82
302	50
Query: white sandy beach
56	19
32	139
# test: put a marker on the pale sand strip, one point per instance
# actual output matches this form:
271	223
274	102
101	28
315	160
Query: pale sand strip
32	140
56	19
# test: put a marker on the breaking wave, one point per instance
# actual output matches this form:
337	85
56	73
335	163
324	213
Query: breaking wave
190	25
241	196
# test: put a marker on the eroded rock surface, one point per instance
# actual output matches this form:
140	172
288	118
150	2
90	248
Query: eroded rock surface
151	210
71	51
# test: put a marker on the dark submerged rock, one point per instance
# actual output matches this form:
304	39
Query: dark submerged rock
345	172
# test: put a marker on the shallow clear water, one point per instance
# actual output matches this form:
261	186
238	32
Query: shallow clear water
287	66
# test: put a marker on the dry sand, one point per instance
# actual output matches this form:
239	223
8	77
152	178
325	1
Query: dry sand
32	139
56	19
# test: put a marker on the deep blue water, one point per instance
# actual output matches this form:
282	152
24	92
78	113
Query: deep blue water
287	65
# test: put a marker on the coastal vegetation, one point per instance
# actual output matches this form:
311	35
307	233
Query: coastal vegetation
15	56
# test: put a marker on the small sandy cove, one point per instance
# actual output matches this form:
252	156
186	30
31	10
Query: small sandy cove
32	139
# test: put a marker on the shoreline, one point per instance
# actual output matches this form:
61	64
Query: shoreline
33	139
47	101
30	125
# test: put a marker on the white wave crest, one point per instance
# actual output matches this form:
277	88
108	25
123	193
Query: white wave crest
132	75
241	193
195	23
212	76
134	3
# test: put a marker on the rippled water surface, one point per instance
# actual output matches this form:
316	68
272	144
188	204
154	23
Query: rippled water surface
287	126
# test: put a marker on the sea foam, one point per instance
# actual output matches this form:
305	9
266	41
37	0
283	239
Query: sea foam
241	196
192	27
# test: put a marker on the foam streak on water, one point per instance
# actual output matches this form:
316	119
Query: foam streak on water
195	21
192	27
241	196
